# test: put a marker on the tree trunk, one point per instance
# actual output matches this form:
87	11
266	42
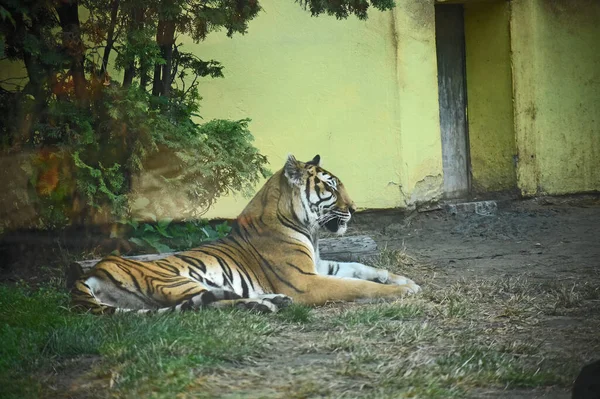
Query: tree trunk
169	41
137	23
157	81
68	15
37	74
110	37
144	77
128	74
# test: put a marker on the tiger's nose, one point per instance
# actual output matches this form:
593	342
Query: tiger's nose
352	209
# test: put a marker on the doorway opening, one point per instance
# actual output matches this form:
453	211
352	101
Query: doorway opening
452	92
476	98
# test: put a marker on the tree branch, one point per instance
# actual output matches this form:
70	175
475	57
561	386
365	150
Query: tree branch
110	36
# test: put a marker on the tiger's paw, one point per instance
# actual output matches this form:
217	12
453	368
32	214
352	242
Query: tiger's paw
257	305
412	287
279	300
407	288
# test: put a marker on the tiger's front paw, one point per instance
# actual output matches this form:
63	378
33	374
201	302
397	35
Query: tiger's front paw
411	286
279	300
409	289
414	287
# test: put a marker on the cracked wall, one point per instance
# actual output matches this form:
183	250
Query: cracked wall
428	189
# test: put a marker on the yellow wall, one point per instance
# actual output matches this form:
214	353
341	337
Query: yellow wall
556	72
362	94
489	93
420	157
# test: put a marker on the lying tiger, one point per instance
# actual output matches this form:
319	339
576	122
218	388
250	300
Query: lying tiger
269	259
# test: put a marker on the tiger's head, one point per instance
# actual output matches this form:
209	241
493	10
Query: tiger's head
324	199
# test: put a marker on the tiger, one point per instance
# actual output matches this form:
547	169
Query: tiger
269	260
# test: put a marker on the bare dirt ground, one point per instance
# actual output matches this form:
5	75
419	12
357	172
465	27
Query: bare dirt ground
510	305
547	238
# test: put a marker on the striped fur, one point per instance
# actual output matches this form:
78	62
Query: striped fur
269	259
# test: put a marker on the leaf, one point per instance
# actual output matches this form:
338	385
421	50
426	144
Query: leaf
5	14
163	223
134	223
210	232
113	112
157	245
223	229
163	231
162	226
137	241
178	231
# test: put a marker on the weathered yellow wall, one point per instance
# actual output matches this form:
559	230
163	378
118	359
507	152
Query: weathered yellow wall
556	72
362	94
420	157
489	93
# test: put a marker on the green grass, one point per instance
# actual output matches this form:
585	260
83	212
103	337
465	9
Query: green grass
38	333
448	342
295	314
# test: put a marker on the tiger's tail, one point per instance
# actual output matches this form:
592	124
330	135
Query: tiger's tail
83	298
73	273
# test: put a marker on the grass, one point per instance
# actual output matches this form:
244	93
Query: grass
457	337
39	333
378	312
295	314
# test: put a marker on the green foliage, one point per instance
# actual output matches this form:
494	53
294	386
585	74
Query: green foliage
343	9
223	161
166	236
101	182
106	147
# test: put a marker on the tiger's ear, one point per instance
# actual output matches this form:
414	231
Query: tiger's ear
293	170
315	161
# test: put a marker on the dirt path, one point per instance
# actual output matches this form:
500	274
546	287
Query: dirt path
545	238
528	255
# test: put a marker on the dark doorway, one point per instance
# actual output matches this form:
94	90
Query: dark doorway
450	47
